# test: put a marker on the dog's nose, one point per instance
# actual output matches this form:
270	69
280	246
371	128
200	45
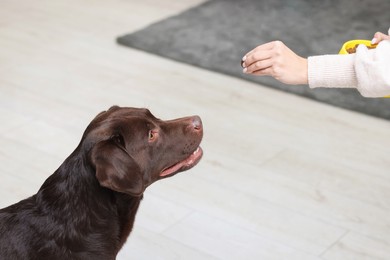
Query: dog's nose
197	123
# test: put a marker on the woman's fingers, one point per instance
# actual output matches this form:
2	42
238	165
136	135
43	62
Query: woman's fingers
264	72
378	37
263	57
258	66
259	53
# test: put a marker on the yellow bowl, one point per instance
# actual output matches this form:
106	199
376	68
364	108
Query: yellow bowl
352	44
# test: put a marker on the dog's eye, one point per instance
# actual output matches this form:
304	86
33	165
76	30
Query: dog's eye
119	140
152	135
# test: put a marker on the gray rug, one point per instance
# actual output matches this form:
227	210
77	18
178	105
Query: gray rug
215	35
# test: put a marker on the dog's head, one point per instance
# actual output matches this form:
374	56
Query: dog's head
130	149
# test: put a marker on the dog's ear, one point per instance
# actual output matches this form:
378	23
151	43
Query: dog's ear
116	169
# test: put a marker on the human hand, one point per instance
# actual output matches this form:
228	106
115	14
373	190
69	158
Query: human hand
277	60
378	37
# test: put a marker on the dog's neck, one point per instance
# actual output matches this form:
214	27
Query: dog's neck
127	207
97	208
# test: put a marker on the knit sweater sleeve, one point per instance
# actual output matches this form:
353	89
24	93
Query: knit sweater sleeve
368	70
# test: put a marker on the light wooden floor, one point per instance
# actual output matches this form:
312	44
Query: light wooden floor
282	177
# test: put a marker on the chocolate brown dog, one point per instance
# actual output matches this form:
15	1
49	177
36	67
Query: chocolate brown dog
86	209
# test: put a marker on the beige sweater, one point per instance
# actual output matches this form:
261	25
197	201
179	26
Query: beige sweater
367	70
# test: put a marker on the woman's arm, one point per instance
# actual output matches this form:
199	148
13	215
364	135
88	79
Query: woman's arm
367	70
